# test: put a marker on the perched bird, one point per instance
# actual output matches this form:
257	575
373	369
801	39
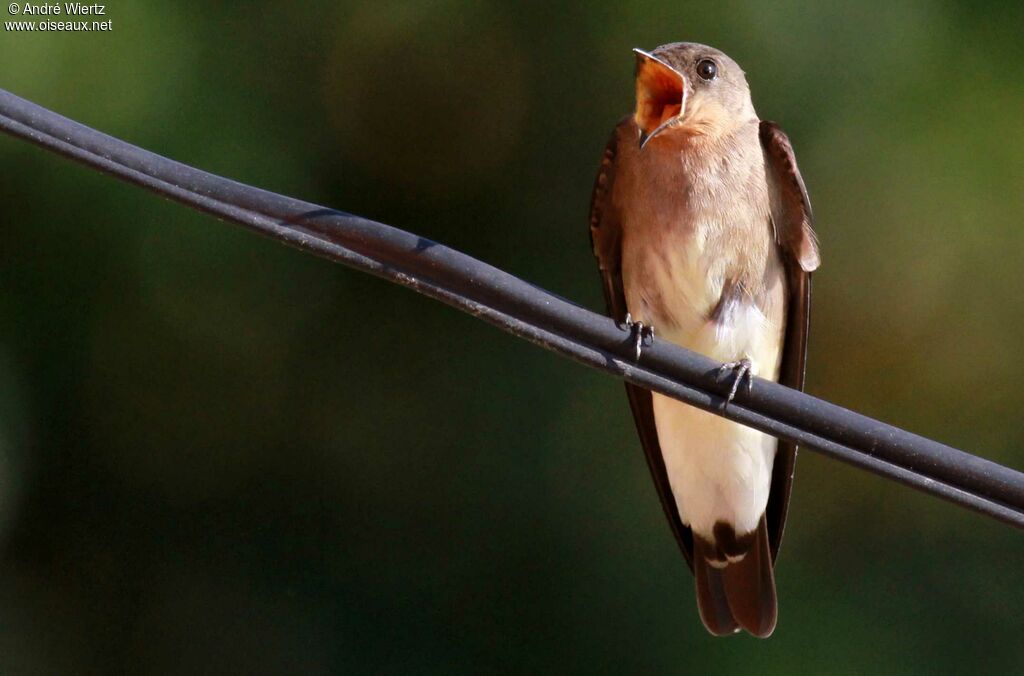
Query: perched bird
701	226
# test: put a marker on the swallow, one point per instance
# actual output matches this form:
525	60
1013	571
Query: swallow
702	228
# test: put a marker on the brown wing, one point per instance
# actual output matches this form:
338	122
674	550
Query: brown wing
606	239
792	219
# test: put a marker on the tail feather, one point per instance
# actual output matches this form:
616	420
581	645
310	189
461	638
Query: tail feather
712	601
731	593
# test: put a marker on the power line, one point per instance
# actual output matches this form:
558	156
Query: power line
536	315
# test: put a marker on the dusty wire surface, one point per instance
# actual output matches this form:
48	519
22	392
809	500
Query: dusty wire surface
536	315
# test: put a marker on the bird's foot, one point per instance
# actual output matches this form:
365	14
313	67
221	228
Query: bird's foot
741	370
640	331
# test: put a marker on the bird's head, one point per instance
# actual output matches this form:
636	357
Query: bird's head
691	89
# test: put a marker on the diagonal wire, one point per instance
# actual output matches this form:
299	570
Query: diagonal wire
536	315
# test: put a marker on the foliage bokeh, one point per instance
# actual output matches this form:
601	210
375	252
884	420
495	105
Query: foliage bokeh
220	455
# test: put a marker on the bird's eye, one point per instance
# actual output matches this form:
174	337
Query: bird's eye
707	69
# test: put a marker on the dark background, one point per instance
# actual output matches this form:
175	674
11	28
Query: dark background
220	455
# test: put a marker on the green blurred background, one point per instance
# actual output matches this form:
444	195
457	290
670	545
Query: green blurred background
219	455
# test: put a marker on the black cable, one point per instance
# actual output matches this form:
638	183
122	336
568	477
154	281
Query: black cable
536	315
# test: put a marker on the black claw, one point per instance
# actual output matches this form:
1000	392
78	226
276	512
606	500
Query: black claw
640	331
741	371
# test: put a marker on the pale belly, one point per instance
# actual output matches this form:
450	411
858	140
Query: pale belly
718	470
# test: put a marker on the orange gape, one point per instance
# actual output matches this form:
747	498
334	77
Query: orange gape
660	95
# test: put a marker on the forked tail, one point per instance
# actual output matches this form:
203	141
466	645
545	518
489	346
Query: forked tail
735	581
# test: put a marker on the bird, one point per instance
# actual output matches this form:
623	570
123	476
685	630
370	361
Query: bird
702	229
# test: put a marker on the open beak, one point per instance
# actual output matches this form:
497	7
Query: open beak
660	95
